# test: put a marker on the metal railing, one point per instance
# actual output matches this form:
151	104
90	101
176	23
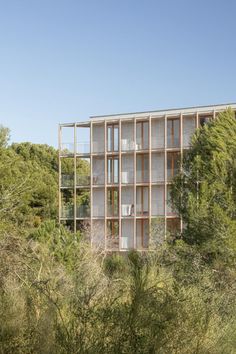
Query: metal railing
67	180
127	145
69	148
67	211
98	211
127	176
142	176
83	211
112	210
66	149
98	179
83	148
82	180
141	210
141	144
98	147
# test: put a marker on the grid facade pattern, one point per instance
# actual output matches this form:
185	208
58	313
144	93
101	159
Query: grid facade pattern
116	172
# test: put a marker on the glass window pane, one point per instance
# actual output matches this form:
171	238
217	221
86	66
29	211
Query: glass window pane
139	135
109	138
145	135
116	138
109	171
176	132
169	133
116	171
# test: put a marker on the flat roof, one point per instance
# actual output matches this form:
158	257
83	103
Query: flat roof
158	113
167	111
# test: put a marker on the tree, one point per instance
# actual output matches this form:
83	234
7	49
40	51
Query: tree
4	136
204	193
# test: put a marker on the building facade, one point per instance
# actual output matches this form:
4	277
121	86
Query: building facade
115	174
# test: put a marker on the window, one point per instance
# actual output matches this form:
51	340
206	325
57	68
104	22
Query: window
113	137
204	120
172	164
112	234
112	170
142	233
142	201
142	168
173	132
112	202
142	135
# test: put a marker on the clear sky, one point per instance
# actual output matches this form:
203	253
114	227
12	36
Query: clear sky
65	60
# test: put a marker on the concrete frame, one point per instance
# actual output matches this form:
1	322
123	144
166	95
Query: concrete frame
119	119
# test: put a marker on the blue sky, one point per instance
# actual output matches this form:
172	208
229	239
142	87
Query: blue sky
64	60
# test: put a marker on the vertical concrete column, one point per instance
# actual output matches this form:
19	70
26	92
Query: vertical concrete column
75	176
105	184
59	173
120	168
165	172
181	156
135	237
150	173
91	183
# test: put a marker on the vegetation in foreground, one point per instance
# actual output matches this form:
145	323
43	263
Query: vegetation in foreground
58	296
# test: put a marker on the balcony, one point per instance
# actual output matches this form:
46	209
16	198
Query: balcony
98	179
127	145
98	211
67	181
127	210
67	211
127	177
83	148
83	211
82	180
142	176
67	149
142	210
112	210
98	147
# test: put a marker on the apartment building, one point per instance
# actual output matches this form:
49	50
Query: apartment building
115	174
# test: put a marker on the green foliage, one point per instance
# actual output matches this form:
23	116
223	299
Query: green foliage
4	136
58	296
28	184
204	193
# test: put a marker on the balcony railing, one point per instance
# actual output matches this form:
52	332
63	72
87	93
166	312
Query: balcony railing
127	145
82	180
98	179
142	176
112	210
98	211
127	209
141	210
69	148
67	180
83	148
127	176
67	211
66	149
98	147
141	145
83	211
